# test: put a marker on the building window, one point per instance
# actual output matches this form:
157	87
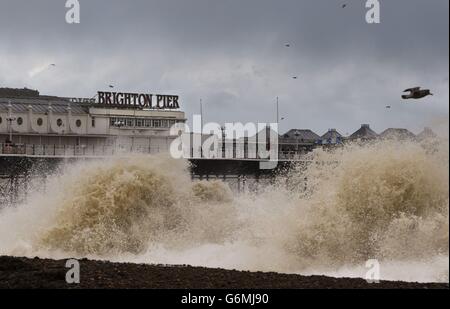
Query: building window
114	122
19	121
93	122
40	122
142	122
117	122
1	120
78	123
59	122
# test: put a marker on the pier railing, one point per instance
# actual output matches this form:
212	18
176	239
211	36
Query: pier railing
36	150
33	150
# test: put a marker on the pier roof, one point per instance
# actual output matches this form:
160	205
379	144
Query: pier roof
397	133
332	133
301	134
41	105
365	132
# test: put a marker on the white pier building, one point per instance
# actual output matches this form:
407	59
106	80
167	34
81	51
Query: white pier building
36	125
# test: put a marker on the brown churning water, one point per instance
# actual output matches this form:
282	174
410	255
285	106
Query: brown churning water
386	201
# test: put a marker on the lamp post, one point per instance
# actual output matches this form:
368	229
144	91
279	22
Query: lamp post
278	112
201	128
222	128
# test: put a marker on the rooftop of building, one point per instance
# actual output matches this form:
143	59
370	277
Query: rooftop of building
365	132
397	133
41	105
18	93
22	100
331	133
427	133
301	134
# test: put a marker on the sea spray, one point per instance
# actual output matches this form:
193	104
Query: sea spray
386	200
124	206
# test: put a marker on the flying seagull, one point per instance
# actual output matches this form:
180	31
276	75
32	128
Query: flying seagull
294	77
416	93
52	65
388	106
287	45
344	5
111	86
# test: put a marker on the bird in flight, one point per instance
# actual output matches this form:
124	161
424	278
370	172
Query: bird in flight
388	106
344	5
287	45
416	93
294	77
52	65
111	86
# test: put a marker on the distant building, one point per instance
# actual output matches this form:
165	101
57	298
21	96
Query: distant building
427	133
301	136
363	133
298	141
18	93
397	134
332	137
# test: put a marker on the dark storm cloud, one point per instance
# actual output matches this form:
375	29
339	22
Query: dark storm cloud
232	55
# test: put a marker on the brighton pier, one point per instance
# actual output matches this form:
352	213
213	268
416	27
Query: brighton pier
38	133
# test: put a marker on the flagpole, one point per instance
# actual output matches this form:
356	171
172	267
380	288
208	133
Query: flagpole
201	115
201	130
278	113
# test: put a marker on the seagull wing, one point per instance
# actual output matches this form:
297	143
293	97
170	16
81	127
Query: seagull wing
412	89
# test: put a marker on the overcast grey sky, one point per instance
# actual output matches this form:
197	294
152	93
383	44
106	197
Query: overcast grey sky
231	54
